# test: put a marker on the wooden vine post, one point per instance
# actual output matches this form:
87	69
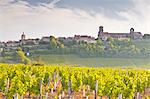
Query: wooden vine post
16	96
138	96
7	86
49	81
96	89
40	89
54	77
46	96
69	88
63	94
120	96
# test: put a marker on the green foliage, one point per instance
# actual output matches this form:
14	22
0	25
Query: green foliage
22	56
110	48
146	36
53	42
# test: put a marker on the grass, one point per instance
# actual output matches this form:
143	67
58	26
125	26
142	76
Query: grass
1	58
75	60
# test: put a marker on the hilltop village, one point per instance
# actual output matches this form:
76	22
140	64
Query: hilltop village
106	45
13	45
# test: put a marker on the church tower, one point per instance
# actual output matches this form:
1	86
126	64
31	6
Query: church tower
100	31
132	33
132	30
23	36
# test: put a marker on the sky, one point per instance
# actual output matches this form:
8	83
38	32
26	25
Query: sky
38	18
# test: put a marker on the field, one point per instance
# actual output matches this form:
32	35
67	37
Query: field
75	60
53	80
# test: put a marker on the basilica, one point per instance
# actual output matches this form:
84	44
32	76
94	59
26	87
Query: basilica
132	34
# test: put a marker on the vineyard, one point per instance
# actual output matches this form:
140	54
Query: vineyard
25	81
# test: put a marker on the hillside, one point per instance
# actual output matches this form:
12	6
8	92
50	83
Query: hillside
142	44
75	60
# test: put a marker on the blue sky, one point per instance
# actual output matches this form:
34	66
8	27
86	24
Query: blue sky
39	18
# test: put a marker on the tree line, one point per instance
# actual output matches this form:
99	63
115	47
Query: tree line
109	48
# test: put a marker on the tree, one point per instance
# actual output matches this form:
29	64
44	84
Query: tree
110	39
61	46
100	42
146	36
22	56
53	42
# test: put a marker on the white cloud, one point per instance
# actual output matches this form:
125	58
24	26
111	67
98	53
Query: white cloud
51	5
54	2
138	16
38	21
5	2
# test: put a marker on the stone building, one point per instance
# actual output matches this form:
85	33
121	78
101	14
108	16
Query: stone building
84	38
12	43
2	44
66	39
25	41
78	38
105	35
45	40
